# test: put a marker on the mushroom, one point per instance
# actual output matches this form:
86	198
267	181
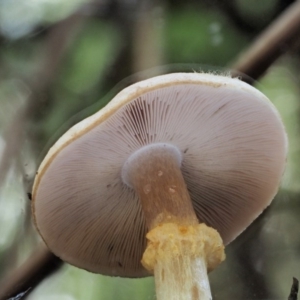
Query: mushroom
158	181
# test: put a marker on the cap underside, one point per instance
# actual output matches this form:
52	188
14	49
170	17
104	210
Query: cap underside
233	147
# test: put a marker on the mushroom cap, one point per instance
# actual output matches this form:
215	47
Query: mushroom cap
233	147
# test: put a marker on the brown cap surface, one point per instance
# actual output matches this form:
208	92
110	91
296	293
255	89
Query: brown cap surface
233	148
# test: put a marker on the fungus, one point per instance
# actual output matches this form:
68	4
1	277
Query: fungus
159	180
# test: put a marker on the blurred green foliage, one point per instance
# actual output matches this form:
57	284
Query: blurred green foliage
203	36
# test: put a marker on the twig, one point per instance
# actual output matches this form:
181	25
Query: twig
39	265
272	43
21	295
294	290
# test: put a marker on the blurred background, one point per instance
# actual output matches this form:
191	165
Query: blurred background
62	60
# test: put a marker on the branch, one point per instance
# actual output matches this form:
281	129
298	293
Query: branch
30	273
270	45
294	290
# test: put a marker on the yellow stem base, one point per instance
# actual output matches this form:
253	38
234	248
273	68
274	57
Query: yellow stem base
179	257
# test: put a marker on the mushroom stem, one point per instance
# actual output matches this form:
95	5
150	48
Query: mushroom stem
179	250
180	257
154	173
192	269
